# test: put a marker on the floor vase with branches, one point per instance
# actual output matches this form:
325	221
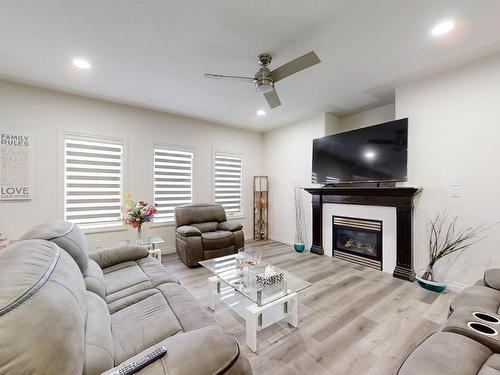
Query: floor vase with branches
445	239
299	221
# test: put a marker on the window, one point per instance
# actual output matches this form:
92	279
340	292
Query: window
173	181
93	181
228	173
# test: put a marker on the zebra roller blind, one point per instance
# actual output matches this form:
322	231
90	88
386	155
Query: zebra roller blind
173	181
93	182
228	174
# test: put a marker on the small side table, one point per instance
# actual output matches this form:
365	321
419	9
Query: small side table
155	253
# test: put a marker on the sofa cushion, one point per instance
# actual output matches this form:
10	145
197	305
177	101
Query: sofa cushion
145	323
206	227
98	339
42	310
188	231
187	310
492	366
116	255
208	350
145	318
217	240
129	300
492	278
199	213
230	226
125	279
122	276
445	353
94	279
477	297
64	234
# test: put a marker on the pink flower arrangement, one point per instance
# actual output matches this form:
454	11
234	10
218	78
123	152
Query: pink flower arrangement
138	212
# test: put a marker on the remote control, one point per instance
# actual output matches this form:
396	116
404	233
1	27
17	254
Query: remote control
135	366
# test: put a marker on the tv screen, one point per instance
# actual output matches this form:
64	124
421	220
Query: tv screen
377	153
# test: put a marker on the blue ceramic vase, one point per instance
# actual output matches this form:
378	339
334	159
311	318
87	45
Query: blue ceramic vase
299	247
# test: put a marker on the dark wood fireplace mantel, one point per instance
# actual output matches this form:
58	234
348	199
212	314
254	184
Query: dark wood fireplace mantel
399	197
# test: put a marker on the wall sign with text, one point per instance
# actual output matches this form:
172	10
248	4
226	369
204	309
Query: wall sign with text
14	166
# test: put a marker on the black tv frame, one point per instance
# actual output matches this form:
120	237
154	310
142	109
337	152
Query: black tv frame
366	183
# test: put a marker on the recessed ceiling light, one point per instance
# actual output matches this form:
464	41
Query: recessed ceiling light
261	112
81	63
443	28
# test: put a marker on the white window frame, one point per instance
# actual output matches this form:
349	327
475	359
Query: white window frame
215	152
63	135
179	148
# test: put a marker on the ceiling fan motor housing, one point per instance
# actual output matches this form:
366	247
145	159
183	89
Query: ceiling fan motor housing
264	81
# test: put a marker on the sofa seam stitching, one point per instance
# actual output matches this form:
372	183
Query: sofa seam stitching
44	279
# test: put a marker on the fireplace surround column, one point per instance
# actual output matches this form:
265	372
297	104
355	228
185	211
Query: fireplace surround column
399	197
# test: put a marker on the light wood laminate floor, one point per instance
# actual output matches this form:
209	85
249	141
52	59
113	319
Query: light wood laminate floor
353	320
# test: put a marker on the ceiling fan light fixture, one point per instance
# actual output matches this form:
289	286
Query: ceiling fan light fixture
265	88
264	85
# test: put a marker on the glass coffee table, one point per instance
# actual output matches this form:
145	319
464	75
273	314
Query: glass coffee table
259	306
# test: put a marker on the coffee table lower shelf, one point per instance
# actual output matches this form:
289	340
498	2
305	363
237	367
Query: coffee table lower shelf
256	317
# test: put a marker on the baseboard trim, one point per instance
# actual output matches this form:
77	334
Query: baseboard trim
282	240
455	287
168	250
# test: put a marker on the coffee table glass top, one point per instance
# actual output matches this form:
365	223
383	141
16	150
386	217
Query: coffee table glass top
244	280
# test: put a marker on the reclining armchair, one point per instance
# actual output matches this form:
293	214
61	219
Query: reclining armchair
203	232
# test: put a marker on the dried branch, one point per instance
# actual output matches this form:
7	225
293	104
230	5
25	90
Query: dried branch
299	215
445	239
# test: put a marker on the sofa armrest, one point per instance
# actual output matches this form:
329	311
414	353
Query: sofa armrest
217	352
229	226
188	231
115	255
492	278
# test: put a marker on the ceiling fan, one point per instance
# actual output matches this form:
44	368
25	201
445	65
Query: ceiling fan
265	79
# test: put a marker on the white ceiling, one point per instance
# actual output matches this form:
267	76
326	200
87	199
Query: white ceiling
153	53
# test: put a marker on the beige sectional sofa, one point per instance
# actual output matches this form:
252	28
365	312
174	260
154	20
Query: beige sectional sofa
458	349
64	311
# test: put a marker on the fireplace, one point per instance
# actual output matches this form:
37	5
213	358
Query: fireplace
358	240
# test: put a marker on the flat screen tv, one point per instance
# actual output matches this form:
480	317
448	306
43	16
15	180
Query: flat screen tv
376	153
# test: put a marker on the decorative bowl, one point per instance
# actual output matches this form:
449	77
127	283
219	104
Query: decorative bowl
434	286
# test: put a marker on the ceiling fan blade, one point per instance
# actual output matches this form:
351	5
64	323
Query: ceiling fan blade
272	99
221	76
294	66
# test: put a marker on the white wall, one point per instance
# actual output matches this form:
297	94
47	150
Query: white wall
288	155
366	118
454	139
44	114
454	150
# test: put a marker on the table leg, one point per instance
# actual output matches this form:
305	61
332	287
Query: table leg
252	322
292	309
213	291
